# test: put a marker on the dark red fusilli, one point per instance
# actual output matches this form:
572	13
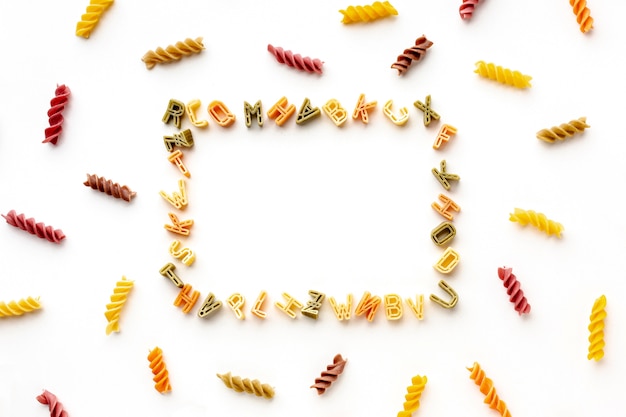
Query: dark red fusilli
55	114
296	61
516	295
49	399
467	8
31	226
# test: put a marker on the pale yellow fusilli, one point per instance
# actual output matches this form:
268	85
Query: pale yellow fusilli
114	308
565	130
173	52
90	19
19	307
245	385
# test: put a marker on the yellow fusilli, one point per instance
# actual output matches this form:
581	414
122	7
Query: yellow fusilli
90	19
596	329
502	75
368	13
565	130
173	52
114	308
19	307
414	392
539	220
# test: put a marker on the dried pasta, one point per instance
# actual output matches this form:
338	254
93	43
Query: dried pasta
109	187
539	220
31	226
330	375
563	131
19	307
173	52
502	75
583	15
368	13
513	289
245	385
90	19
414	53
596	329
467	8
486	387
54	405
414	393
55	114
312	65
114	308
161	375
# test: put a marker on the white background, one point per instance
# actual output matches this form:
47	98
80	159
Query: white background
294	208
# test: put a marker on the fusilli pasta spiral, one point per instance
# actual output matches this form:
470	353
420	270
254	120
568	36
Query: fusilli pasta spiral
55	407
31	226
173	52
502	75
414	393
161	375
330	374
245	385
91	17
513	289
295	60
565	130
109	187
114	308
19	307
368	13
583	14
467	8
486	387
596	329
414	53
539	220
55	114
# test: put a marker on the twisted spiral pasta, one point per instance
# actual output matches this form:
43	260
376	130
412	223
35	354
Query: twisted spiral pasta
55	407
19	307
565	130
414	53
173	52
109	187
583	14
295	61
467	8
55	114
539	220
245	385
502	75
31	226
596	329
330	374
412	403
91	17
368	13
114	308
516	295
161	375
486	387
